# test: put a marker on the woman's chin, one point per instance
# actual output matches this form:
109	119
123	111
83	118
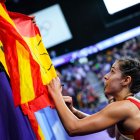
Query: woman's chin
107	93
105	89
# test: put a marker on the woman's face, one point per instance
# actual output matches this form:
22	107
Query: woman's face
113	80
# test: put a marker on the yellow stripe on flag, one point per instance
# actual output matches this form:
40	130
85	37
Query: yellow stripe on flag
5	15
42	57
26	83
2	58
41	133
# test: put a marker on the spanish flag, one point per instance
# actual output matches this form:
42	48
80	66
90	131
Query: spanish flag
28	62
31	35
24	71
12	56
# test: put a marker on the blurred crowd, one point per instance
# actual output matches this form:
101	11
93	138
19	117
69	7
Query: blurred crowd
80	78
104	60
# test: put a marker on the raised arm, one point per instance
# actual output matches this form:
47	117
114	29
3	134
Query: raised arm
109	116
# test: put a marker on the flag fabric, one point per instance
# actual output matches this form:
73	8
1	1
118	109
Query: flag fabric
14	125
28	74
32	36
28	62
2	57
4	14
12	59
51	125
24	72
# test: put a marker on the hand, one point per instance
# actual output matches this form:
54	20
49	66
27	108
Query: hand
54	87
69	103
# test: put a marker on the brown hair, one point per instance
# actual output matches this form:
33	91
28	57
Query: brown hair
131	67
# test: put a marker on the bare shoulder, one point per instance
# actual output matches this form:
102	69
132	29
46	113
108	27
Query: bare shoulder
120	109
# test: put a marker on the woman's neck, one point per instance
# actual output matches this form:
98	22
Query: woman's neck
122	96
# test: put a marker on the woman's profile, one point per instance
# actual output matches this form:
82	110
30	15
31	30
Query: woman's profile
121	83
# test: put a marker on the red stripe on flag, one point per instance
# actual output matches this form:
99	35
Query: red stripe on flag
25	21
11	58
10	32
41	102
39	88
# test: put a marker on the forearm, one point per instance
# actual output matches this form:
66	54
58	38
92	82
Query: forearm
68	119
79	114
87	125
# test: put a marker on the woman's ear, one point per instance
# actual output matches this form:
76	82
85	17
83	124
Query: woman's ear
126	80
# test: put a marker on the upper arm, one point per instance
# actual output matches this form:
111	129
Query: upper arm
107	117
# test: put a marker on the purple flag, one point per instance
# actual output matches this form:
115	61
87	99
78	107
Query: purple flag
13	124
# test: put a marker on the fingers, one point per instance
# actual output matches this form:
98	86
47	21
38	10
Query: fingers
67	99
55	86
54	81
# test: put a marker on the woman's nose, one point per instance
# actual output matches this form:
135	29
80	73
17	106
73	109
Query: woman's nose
106	77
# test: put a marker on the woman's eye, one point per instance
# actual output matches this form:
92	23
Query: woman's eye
112	71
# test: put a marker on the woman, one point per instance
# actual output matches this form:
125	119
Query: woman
122	82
